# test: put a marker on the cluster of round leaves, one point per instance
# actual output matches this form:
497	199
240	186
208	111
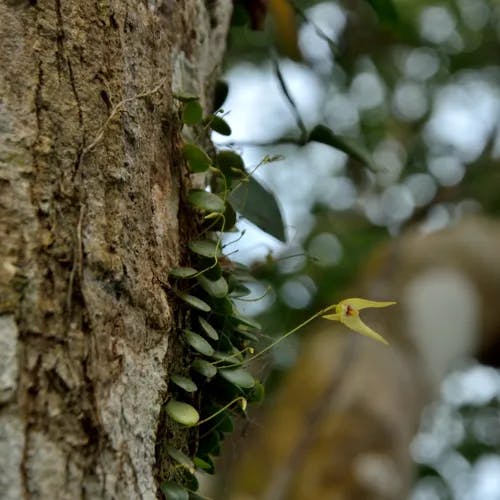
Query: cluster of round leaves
217	385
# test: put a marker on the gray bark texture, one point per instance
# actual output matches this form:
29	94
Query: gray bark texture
91	219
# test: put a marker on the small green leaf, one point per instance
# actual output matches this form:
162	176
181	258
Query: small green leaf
181	458
183	382
257	204
224	423
228	357
206	201
192	113
198	343
325	135
197	159
182	413
194	302
206	248
217	288
239	377
173	491
204	465
210	444
247	321
257	394
204	367
182	272
220	93
218	124
208	328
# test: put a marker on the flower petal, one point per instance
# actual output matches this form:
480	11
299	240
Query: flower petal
355	324
363	303
332	317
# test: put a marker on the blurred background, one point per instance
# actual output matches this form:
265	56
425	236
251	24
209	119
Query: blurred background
396	199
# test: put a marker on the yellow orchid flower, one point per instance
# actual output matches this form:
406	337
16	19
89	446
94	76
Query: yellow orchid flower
347	312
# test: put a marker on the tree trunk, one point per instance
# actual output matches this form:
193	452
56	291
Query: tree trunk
91	218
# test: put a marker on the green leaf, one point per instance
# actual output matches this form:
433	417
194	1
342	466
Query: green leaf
218	124
206	201
184	382
257	204
192	113
194	302
198	343
182	413
204	367
210	444
231	165
228	357
239	377
325	135
204	464
173	491
386	11
181	458
197	159
217	288
247	321
182	272
220	93
205	248
257	394
208	328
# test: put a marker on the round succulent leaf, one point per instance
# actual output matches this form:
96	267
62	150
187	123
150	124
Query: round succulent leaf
184	382
173	491
205	200
238	376
216	288
198	343
182	272
182	413
257	393
208	328
194	302
204	367
205	248
181	458
218	124
192	113
227	160
197	159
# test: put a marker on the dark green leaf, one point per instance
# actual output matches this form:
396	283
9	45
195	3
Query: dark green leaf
182	272
386	11
198	343
203	367
197	159
325	135
192	113
206	201
173	491
186	97
257	204
181	458
182	412
217	288
206	248
209	329
210	444
228	357
218	124
183	382
231	165
195	302
220	93
239	377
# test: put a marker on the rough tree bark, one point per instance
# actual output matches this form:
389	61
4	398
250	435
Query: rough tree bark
91	219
